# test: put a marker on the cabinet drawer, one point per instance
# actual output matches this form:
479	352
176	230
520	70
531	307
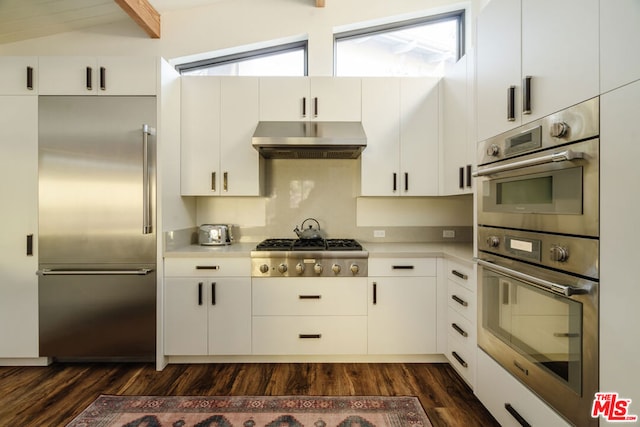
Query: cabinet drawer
463	359
496	388
310	335
463	329
309	296
402	267
462	274
462	300
207	267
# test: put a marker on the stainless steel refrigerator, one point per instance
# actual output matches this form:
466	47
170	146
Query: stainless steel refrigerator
97	239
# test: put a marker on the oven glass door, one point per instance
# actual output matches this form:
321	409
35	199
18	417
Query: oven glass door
542	326
551	192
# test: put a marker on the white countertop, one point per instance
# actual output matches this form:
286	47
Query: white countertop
461	251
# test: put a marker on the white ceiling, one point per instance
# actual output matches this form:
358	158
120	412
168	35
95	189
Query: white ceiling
25	19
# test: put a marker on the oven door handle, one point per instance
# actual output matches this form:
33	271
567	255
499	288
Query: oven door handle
561	156
551	286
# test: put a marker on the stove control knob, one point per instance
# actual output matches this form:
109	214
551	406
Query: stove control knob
559	129
264	268
493	150
317	268
354	268
559	253
336	268
299	268
493	241
282	268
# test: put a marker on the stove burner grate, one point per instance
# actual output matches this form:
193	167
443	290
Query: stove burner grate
309	245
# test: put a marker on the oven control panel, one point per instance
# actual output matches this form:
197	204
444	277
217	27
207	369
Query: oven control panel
577	255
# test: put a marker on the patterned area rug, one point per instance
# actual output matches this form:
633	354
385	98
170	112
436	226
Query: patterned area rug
252	411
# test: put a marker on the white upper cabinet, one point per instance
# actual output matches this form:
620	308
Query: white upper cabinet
310	98
239	161
498	66
88	75
219	115
619	30
200	144
18	75
400	118
458	153
551	45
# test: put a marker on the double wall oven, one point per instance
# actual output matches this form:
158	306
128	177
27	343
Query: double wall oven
538	250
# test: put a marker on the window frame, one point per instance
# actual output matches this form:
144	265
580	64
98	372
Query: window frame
458	15
248	55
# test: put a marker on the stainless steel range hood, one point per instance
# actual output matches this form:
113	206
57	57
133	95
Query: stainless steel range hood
309	140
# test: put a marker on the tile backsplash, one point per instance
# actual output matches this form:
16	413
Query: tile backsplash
327	190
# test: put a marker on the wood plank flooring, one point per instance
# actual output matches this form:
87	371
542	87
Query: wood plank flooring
54	395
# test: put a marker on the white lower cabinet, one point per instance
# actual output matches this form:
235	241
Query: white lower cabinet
461	318
309	316
402	313
208	314
507	399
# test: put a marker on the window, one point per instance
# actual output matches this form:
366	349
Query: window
282	60
420	47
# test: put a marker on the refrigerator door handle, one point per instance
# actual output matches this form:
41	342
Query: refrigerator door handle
147	226
50	272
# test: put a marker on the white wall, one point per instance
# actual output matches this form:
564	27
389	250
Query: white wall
231	23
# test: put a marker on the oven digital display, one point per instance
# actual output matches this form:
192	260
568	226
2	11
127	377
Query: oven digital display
521	245
523	249
530	191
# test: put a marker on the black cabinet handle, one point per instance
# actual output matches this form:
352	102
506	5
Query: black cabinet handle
30	78
213	293
406	181
315	107
207	267
459	300
103	78
89	78
402	267
460	275
511	103
309	296
526	95
304	107
510	409
459	359
375	293
461	178
469	176
459	330
309	336
395	181
200	293
29	244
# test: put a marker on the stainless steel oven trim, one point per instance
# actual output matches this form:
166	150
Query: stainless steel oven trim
576	123
585	223
575	408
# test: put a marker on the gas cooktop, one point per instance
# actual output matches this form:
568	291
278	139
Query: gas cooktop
309	258
309	245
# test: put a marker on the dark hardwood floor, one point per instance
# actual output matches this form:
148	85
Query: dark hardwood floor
54	395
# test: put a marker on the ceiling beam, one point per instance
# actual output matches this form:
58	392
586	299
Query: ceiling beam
144	14
319	3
